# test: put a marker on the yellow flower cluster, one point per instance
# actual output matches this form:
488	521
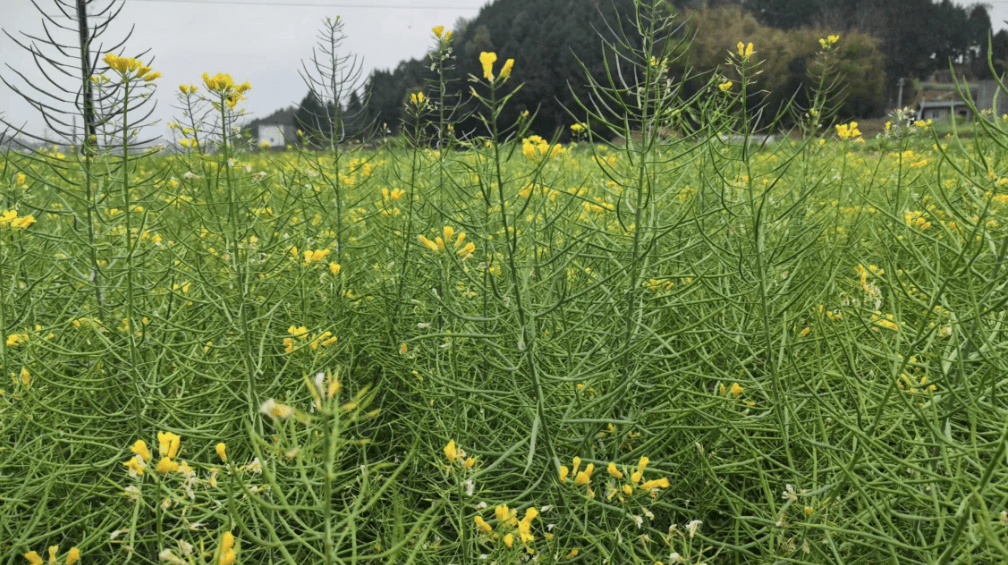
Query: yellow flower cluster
581	477
168	447
735	390
224	85
848	131
310	256
488	60
130	68
439	244
276	410
324	339
887	321
227	549
9	219
535	147
829	41
417	98
14	340
508	524
187	89
913	218
392	196
725	86
457	456
744	51
73	556
316	256
440	33
634	485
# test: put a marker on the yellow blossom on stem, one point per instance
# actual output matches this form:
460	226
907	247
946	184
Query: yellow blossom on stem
564	471
140	448
428	244
482	525
33	558
506	69
725	86
611	469
451	452
584	477
136	466
166	465
438	31
73	556
848	131
168	444
736	390
745	51
656	483
487	60
221	451
276	410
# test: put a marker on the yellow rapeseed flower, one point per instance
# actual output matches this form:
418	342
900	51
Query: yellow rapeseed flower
564	471
438	31
167	465
735	390
656	483
428	244
276	410
136	466
584	477
73	556
33	558
168	444
140	448
220	451
506	69
725	86
451	452
745	51
614	471
482	525
848	131
487	60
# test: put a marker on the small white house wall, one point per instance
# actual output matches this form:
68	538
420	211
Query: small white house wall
274	135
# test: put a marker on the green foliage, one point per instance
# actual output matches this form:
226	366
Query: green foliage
787	58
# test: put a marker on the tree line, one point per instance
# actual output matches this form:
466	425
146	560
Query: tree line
555	43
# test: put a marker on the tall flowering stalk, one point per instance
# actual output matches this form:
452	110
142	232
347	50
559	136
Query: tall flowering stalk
134	78
226	95
494	104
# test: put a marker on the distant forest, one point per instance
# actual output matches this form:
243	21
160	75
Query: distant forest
881	42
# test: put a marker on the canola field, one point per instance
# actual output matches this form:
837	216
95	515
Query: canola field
657	350
792	354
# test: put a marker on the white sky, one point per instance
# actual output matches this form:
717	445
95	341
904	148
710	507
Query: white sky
259	41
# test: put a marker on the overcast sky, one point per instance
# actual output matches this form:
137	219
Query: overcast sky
259	41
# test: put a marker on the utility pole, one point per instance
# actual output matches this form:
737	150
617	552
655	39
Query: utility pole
86	71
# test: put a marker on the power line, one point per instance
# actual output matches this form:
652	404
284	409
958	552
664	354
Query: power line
310	5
